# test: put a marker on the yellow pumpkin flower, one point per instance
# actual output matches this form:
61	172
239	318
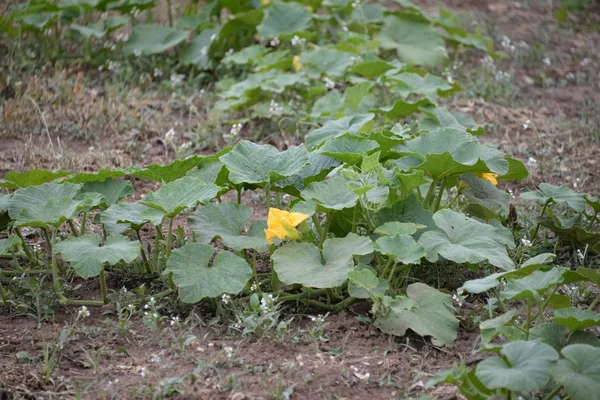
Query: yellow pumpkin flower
282	224
489	177
265	2
297	64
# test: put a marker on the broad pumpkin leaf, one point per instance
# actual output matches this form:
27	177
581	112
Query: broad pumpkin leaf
576	319
486	194
9	244
196	279
154	39
430	86
348	148
301	263
87	257
331	194
398	228
557	194
100	176
284	19
550	333
426	311
176	196
49	204
196	52
218	220
416	42
113	190
255	239
363	283
328	61
535	284
372	69
526	366
249	162
122	216
464	240
401	108
579	371
34	177
449	152
4	201
166	173
402	247
334	128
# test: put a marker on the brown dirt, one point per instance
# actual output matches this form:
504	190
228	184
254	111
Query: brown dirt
125	128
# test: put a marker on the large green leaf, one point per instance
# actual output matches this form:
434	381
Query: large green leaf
401	108
486	194
301	263
464	240
328	61
255	239
34	177
579	371
49	204
255	163
415	42
372	69
87	257
284	19
186	192
122	216
195	279
430	86
166	173
154	39
402	248
100	176
576	319
196	53
331	194
9	244
348	148
218	220
535	284
4	201
335	128
113	190
526	366
426	311
364	284
557	194
450	152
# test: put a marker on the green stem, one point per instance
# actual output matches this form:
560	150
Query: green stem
325	230
74	231
591	222
24	272
103	288
25	246
268	198
553	393
239	194
387	266
392	270
301	295
528	321
91	303
55	277
317	224
164	293
438	201
430	194
3	295
278	200
335	307
537	227
593	303
169	237
82	227
355	219
143	252
170	13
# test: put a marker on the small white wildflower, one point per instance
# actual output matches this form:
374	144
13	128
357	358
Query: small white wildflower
169	136
155	358
104	16
584	62
313	318
84	312
459	297
254	287
580	255
488	63
345	28
202	91
526	124
229	52
226	299
147	306
152	299
275	108
211	345
143	371
512	195
507	44
114	66
236	129
176	79
228	351
59	156
546	61
155	316
329	83
91	149
175	321
31	54
131	307
275	42
146	312
298	41
185	146
526	242
576	183
450	79
531	161
137	52
570	76
157	72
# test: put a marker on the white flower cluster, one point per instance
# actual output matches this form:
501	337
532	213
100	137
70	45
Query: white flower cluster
531	161
547	61
275	42
329	83
356	4
526	242
169	136
229	52
226	299
580	255
275	108
507	43
228	351
267	302
176	79
459	297
298	41
527	124
157	73
83	312
236	129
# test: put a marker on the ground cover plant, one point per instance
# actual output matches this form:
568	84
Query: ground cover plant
382	197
